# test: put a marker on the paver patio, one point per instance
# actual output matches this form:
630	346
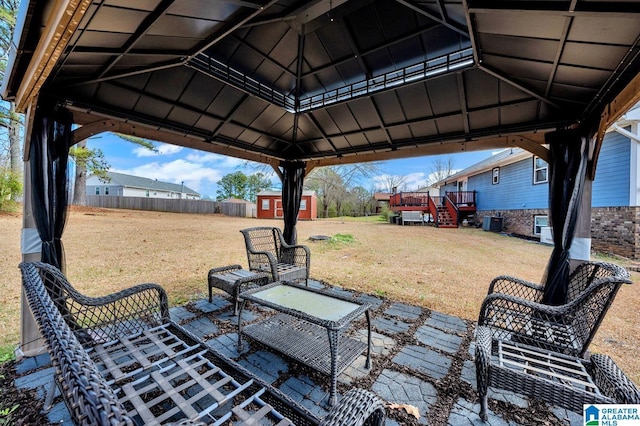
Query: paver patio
421	358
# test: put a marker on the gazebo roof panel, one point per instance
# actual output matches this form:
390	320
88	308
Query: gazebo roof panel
529	65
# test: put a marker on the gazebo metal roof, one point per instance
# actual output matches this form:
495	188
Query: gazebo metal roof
330	81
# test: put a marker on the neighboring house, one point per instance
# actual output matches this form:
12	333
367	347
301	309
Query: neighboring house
381	200
513	184
269	205
122	185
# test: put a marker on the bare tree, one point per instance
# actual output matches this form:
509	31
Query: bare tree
392	183
332	183
440	169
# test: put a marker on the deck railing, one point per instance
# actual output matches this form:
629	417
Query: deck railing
462	197
420	199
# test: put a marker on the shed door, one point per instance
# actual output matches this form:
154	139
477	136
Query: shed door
277	209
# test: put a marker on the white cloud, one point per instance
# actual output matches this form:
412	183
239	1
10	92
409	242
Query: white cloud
414	181
162	149
194	175
220	160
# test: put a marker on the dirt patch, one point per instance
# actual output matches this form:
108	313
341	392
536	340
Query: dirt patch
27	409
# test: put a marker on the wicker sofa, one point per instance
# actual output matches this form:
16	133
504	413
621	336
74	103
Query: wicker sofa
120	360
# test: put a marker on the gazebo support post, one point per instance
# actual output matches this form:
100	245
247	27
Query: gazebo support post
580	251
31	343
569	149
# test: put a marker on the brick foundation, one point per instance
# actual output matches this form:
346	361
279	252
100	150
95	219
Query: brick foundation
614	230
518	222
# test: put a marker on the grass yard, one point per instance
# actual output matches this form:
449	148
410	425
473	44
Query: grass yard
447	270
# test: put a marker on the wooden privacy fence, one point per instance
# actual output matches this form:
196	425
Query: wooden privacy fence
166	205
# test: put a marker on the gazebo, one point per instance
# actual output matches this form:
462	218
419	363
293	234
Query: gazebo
305	84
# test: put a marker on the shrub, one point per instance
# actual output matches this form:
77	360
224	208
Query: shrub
10	184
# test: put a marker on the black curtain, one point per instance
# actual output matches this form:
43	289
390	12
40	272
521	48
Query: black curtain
48	156
292	186
567	169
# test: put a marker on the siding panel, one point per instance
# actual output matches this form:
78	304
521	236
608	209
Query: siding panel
515	190
613	173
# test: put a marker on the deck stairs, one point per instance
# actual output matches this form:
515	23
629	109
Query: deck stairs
445	220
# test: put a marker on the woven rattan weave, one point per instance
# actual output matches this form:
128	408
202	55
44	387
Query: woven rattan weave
512	309
552	377
135	366
268	252
234	280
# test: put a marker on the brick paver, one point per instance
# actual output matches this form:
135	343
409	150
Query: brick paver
447	322
438	339
424	360
403	311
400	388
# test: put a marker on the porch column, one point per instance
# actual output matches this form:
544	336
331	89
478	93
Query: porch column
567	171
292	186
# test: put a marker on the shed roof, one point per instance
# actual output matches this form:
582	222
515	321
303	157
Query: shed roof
330	81
305	193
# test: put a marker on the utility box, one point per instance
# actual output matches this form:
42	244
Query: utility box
492	223
546	235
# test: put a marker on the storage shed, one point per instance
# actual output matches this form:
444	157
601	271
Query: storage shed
269	205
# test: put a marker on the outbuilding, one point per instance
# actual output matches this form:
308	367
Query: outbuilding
269	205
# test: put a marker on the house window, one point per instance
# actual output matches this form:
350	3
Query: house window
540	168
265	204
303	204
539	222
147	192
495	176
106	190
97	190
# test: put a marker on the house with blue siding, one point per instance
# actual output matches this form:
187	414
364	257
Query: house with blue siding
514	184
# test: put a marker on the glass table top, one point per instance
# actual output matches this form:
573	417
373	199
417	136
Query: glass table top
314	304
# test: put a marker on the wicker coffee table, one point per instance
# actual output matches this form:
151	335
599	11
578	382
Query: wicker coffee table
307	327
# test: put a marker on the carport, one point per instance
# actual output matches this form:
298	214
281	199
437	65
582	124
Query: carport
305	84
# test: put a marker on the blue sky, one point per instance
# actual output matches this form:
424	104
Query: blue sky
201	171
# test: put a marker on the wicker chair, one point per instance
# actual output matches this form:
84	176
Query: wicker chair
136	366
268	252
512	309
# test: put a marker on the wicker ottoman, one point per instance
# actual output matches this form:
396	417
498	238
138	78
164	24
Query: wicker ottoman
233	279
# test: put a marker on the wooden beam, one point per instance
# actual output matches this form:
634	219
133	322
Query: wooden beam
278	172
62	23
533	147
628	97
91	129
97	125
437	149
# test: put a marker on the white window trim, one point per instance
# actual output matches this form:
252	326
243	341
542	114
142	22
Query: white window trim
535	169
495	176
265	204
535	225
303	204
